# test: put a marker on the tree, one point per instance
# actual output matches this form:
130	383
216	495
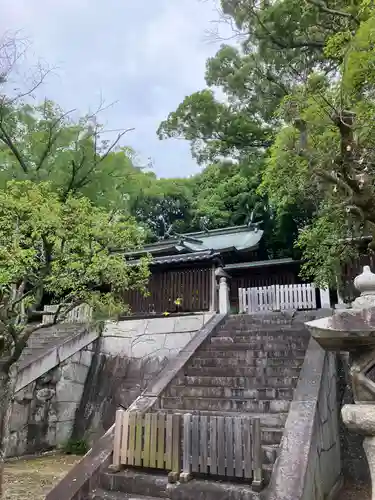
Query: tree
325	151
43	143
216	130
68	249
164	206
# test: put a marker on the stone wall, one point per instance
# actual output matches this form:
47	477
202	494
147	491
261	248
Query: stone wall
130	355
44	411
77	398
309	465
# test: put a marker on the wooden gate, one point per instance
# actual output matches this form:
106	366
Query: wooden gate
228	447
277	298
223	446
148	440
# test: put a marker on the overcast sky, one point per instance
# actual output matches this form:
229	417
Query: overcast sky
145	54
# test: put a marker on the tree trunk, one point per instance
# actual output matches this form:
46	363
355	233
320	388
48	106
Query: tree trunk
5	402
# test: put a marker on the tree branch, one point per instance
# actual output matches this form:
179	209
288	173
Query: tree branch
5	137
52	138
323	7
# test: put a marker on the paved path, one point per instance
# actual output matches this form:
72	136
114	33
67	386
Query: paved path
32	479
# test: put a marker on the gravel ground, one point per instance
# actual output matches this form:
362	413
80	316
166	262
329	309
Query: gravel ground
32	479
355	492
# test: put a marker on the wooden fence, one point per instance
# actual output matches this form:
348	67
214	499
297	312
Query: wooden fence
80	314
222	446
151	440
228	447
277	298
193	286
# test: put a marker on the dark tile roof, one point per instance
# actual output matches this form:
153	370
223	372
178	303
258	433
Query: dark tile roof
182	258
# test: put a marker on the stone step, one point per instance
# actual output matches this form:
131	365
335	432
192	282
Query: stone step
100	494
236	382
214	490
251	361
289	317
265	352
265	330
261	393
237	404
215	368
136	483
267	420
241	361
259	345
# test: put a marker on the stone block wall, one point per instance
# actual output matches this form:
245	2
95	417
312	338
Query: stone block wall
43	412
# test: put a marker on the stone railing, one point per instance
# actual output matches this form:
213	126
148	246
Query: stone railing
309	466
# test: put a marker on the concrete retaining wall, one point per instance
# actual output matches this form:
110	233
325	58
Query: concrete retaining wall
131	354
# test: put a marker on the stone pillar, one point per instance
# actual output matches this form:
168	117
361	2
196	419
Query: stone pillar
223	296
224	302
213	290
325	299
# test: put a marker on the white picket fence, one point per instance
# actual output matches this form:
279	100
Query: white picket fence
277	298
80	314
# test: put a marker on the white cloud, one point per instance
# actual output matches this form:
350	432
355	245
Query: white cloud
146	54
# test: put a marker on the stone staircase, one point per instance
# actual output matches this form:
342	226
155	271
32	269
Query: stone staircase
46	338
251	366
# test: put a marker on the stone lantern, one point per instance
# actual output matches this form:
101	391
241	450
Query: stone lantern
353	330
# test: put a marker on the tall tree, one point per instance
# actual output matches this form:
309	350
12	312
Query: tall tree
163	206
325	151
66	249
43	142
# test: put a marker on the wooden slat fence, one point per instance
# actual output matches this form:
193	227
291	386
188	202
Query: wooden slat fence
192	286
151	440
228	447
277	298
80	314
222	446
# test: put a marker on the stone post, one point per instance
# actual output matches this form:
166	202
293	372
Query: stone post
353	330
223	296
224	302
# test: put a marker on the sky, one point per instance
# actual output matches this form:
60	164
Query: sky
143	55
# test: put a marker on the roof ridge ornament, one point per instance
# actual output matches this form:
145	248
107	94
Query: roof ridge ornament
203	223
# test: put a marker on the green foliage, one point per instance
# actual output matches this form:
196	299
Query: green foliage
43	143
298	112
76	447
325	247
214	129
163	205
225	195
71	250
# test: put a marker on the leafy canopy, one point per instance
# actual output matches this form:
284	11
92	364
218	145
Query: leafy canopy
67	249
44	143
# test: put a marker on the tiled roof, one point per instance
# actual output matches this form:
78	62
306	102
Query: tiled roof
240	238
181	258
261	263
